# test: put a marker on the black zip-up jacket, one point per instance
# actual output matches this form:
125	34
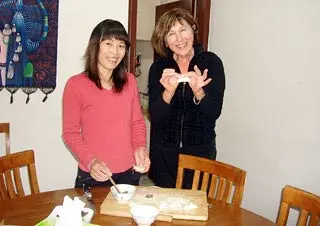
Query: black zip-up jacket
182	123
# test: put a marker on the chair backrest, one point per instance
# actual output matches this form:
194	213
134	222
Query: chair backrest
306	202
5	128
218	179
10	178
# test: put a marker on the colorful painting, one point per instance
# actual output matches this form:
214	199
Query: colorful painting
28	46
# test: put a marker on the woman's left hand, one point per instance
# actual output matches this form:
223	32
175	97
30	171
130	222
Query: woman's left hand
141	156
198	80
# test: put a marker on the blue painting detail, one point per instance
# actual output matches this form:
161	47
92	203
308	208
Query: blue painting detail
28	46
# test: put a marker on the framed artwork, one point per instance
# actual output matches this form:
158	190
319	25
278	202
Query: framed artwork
28	46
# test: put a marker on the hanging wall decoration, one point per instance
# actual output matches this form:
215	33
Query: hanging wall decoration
28	46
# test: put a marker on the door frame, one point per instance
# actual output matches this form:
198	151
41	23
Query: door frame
132	31
202	13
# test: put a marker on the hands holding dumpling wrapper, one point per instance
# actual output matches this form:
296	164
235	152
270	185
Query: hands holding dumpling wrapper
141	156
196	79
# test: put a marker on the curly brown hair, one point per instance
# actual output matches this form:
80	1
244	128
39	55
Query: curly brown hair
165	23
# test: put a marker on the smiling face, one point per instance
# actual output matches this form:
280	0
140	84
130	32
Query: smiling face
180	38
111	52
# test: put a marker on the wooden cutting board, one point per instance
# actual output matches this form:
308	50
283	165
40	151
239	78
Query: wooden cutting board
172	203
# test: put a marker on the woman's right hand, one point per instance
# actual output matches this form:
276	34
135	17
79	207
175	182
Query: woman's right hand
99	171
169	81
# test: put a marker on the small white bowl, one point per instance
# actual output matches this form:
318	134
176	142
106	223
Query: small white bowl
144	215
88	214
127	192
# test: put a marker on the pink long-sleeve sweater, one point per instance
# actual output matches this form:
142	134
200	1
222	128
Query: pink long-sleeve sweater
102	124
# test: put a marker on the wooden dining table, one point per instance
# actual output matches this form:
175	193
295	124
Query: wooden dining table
31	209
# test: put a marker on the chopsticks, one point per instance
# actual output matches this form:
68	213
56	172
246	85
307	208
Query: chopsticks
114	183
115	186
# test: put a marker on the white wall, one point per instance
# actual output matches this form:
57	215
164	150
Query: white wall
146	14
145	48
270	123
37	125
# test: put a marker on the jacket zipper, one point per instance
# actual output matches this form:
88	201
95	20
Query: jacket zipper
182	116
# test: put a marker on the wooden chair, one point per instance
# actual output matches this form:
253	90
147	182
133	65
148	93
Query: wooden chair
224	178
5	128
10	169
308	203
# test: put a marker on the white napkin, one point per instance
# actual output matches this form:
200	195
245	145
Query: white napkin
70	213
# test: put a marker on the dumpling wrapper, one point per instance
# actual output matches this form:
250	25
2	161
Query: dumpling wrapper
183	78
138	168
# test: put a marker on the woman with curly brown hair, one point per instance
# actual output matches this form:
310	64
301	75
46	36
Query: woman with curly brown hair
186	88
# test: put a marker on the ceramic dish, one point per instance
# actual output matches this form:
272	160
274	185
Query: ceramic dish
127	192
144	215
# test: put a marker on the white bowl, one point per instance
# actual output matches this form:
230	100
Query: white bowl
144	215
88	214
127	191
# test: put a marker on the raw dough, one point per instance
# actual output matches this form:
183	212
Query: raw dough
138	168
184	79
